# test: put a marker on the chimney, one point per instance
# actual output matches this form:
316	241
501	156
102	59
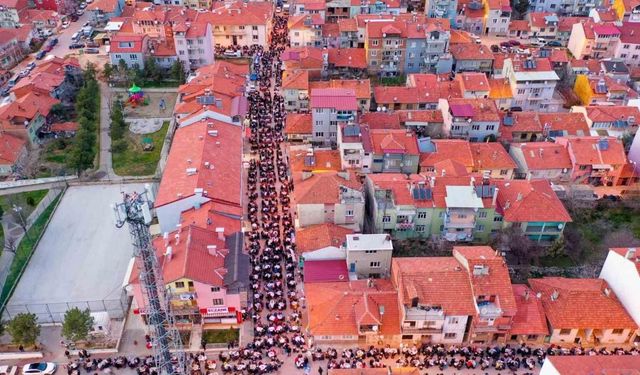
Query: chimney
519	197
540	152
165	236
631	253
555	295
212	249
495	197
177	237
169	253
220	231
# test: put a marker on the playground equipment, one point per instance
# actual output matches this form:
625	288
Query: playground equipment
136	97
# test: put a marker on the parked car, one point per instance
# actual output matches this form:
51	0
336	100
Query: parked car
73	17
76	45
24	73
554	43
495	48
31	66
92	45
505	44
514	43
40	368
53	42
79	12
232	54
66	24
82	5
41	54
91	50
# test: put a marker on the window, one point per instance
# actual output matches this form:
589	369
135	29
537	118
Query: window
407	337
215	288
374	42
118	56
420	228
583	167
241	27
532	337
190	283
617	331
319	134
479	228
565	331
503	172
491	127
296	33
482	214
179	284
453	320
254	28
254	37
200	41
637	47
349	213
133	56
386	219
475	127
374	264
450	335
181	53
422	215
497	218
626	46
180	42
332	134
521	91
218	301
374	53
370	251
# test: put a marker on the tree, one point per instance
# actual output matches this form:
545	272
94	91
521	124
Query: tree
518	247
151	69
107	71
521	7
178	72
118	126
77	324
90	72
24	329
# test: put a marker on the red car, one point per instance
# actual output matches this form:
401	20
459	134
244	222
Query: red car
514	43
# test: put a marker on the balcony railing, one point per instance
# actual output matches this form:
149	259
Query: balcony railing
408	329
405	226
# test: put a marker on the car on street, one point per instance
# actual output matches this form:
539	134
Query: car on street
82	5
53	42
514	43
76	45
24	73
66	24
79	12
495	48
41	54
232	54
73	17
31	66
91	51
92	44
40	368
554	43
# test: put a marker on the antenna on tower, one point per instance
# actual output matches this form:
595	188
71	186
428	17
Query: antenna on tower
135	210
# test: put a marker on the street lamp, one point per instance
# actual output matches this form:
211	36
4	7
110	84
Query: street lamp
18	210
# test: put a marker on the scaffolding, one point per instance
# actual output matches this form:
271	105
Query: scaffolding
135	210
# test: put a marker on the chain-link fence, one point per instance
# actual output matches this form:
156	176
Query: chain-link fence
54	312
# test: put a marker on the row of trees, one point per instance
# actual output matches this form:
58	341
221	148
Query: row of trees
151	72
84	148
24	328
118	128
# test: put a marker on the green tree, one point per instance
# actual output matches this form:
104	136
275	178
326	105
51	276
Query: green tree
107	71
177	71
118	126
90	72
77	324
151	69
24	329
521	7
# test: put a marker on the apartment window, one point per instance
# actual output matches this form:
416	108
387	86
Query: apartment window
450	335
407	337
200	41
254	28
218	301
374	42
333	123
521	91
181	53
374	53
422	215
497	218
180	42
503	172
296	33
241	27
441	214
491	127
215	289
420	228
374	264
133	57
479	228
349	213
254	37
475	127
200	51
386	219
626	46
634	57
482	214
190	284
333	134
623	55
617	331
453	320
118	56
638	47
319	134
565	331
179	284
370	251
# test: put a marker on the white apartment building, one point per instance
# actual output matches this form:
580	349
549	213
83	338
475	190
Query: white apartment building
369	255
533	83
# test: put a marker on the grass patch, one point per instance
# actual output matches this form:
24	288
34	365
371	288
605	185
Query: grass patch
562	261
400	80
134	161
218	336
27	200
25	250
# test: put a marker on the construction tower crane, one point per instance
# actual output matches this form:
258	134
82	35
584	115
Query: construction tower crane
135	210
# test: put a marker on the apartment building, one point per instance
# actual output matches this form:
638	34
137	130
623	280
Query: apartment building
305	30
295	89
471	57
594	40
603	90
543	25
355	147
441	9
542	160
369	255
533	83
565	7
497	17
472	119
628	50
596	160
240	23
193	44
470	16
490	159
427	47
328	108
10	13
616	120
394	151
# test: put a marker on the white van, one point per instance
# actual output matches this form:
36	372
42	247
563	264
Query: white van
75	37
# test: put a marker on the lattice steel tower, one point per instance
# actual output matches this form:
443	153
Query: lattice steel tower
135	210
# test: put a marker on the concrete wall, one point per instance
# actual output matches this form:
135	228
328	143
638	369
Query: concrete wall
622	276
362	261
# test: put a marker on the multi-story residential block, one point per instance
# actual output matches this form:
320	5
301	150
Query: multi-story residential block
295	89
543	25
193	44
492	160
362	88
303	158
385	46
470	16
473	119
353	312
616	120
541	160
328	108
436	300
355	148
533	82
12	50
26	116
492	293
329	197
10	13
408	97
394	151
497	17
621	270
240	23
369	255
533	207
628	50
305	30
130	48
596	160
565	7
56	77
441	9
427	47
13	154
471	58
596	41
565	26
437	153
583	311
104	10
310	7
348	30
602	91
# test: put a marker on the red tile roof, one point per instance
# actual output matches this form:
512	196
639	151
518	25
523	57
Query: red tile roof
319	236
473	81
471	51
519	25
212	215
348	58
476	109
298	123
389	141
68	126
586	150
399	184
324	160
537	19
527	201
338	308
529	318
581	303
297	79
362	87
544	155
216	160
612	113
630	33
239	13
120	37
380	120
491	155
421	116
597	364
325	271
11	148
572	123
347	25
448	149
106	6
435	281
339	99
28	107
322	187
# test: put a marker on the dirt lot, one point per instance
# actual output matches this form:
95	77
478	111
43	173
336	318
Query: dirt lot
153	109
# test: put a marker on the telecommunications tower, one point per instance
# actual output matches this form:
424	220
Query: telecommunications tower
135	210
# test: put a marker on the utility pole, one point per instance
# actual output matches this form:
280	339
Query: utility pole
135	210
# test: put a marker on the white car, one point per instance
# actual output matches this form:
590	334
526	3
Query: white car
65	24
40	368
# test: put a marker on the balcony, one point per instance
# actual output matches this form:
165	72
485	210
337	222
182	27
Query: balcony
489	310
344	117
424	313
425	330
405	226
451	221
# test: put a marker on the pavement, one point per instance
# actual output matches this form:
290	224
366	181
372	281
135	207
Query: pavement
81	257
105	167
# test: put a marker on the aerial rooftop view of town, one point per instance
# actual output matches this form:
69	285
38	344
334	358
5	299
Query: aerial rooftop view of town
331	187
